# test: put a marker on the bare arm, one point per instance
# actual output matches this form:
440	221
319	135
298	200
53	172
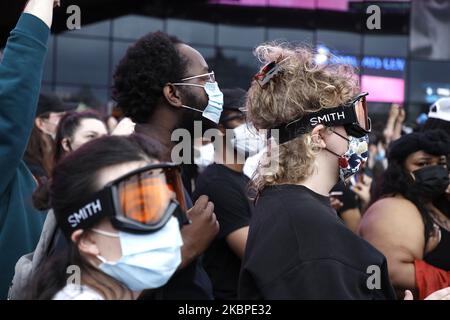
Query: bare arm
394	226
351	218
237	241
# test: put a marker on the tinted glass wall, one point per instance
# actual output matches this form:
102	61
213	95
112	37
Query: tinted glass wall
82	62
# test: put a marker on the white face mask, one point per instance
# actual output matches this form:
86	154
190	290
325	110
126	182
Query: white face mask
215	97
204	155
246	140
148	260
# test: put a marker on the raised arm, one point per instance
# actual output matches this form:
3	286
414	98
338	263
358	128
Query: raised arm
42	9
20	79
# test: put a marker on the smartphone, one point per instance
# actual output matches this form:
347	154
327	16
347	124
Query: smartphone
337	194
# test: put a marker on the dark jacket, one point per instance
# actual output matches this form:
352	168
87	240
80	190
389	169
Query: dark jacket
20	77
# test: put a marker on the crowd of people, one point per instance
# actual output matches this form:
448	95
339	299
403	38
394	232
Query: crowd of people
289	192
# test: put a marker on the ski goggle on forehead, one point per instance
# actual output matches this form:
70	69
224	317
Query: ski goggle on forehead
142	201
353	116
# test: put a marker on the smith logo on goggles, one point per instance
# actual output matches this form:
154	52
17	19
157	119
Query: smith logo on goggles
327	118
84	213
141	201
353	116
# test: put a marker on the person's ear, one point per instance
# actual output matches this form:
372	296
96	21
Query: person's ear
172	95
318	135
39	123
85	242
65	143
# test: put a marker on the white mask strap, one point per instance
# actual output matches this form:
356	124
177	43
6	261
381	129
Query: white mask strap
187	107
106	233
188	84
99	257
200	76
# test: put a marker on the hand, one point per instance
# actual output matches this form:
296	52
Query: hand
124	128
42	9
443	294
392	118
398	124
198	235
335	203
362	190
401	115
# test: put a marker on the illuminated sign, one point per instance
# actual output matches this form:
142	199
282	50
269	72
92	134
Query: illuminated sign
380	63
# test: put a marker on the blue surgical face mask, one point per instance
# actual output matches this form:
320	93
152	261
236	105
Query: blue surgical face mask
215	97
148	260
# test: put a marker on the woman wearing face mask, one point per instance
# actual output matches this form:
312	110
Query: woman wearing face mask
297	247
122	220
75	129
226	186
410	221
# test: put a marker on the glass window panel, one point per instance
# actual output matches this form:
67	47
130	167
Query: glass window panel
82	61
191	31
134	26
99	29
240	36
235	68
386	45
291	35
342	42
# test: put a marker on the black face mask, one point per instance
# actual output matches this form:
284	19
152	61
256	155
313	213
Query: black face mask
431	181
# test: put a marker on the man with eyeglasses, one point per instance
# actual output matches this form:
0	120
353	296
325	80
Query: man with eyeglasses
163	84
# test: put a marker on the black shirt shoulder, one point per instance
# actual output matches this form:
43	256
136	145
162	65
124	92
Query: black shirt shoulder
227	189
296	237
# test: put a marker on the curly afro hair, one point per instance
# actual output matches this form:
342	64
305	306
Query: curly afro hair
139	78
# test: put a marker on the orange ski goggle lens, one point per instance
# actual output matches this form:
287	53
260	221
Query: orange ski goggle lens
144	197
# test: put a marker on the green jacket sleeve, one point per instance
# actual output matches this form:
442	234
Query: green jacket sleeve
20	79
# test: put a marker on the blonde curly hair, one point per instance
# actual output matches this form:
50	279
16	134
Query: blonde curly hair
302	86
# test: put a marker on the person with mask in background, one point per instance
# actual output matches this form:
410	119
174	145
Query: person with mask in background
123	221
162	84
297	247
409	220
20	77
439	118
40	150
226	186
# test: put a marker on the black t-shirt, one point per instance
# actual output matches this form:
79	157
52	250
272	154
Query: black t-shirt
227	190
297	248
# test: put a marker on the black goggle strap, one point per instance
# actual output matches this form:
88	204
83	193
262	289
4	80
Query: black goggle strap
338	116
90	212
